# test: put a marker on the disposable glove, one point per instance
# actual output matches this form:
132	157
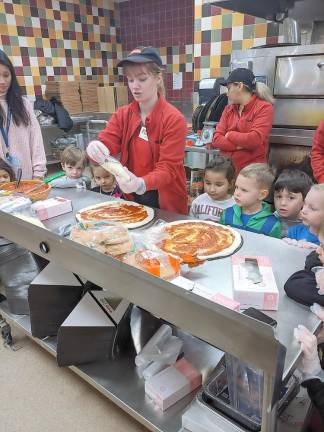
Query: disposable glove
97	152
133	185
319	312
319	276
310	363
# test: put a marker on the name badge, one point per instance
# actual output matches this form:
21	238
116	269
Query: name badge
143	133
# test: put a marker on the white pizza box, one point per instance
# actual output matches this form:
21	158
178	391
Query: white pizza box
51	207
202	291
254	284
173	383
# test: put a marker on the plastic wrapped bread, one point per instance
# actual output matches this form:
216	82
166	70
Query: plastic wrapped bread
105	237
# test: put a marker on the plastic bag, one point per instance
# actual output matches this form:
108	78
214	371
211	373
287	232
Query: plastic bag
155	236
12	204
161	350
105	237
156	263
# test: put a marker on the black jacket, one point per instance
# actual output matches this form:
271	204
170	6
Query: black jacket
301	286
315	390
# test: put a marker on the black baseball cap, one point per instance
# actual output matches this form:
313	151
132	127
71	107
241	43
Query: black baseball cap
142	55
243	75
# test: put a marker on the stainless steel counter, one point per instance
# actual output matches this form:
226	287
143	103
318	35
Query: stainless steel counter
242	336
217	275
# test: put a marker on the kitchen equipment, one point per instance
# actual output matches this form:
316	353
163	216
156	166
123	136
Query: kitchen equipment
207	133
207	88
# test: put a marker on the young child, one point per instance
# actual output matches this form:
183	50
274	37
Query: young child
303	286
219	178
73	161
6	172
250	212
105	181
290	190
312	214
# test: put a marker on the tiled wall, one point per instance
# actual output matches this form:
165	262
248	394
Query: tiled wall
167	25
76	39
219	31
50	39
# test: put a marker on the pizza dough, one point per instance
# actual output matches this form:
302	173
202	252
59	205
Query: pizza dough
195	241
128	213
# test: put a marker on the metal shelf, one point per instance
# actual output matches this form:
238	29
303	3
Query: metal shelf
119	381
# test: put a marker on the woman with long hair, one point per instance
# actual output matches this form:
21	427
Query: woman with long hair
21	142
149	134
243	130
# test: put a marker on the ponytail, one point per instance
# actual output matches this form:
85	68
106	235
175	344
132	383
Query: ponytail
154	69
263	92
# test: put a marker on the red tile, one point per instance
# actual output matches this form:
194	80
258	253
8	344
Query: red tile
19	71
272	40
226	34
248	19
205	49
25	60
5	40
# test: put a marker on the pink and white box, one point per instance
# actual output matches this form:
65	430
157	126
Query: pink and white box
52	207
254	282
172	384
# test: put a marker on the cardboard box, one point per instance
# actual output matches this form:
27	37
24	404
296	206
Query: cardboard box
121	96
52	295
254	282
51	207
173	383
97	328
106	99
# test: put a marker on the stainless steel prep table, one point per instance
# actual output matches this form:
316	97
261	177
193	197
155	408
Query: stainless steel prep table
249	340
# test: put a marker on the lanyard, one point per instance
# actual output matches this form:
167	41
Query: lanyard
5	132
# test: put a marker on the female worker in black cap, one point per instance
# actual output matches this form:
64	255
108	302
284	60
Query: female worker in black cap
244	127
149	134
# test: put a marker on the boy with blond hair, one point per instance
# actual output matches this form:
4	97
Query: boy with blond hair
73	161
251	212
312	214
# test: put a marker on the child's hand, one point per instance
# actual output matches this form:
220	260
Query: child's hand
300	243
97	152
290	241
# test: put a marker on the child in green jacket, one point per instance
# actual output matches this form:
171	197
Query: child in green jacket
250	212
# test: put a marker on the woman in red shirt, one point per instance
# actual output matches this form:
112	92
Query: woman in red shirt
317	154
149	135
243	130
